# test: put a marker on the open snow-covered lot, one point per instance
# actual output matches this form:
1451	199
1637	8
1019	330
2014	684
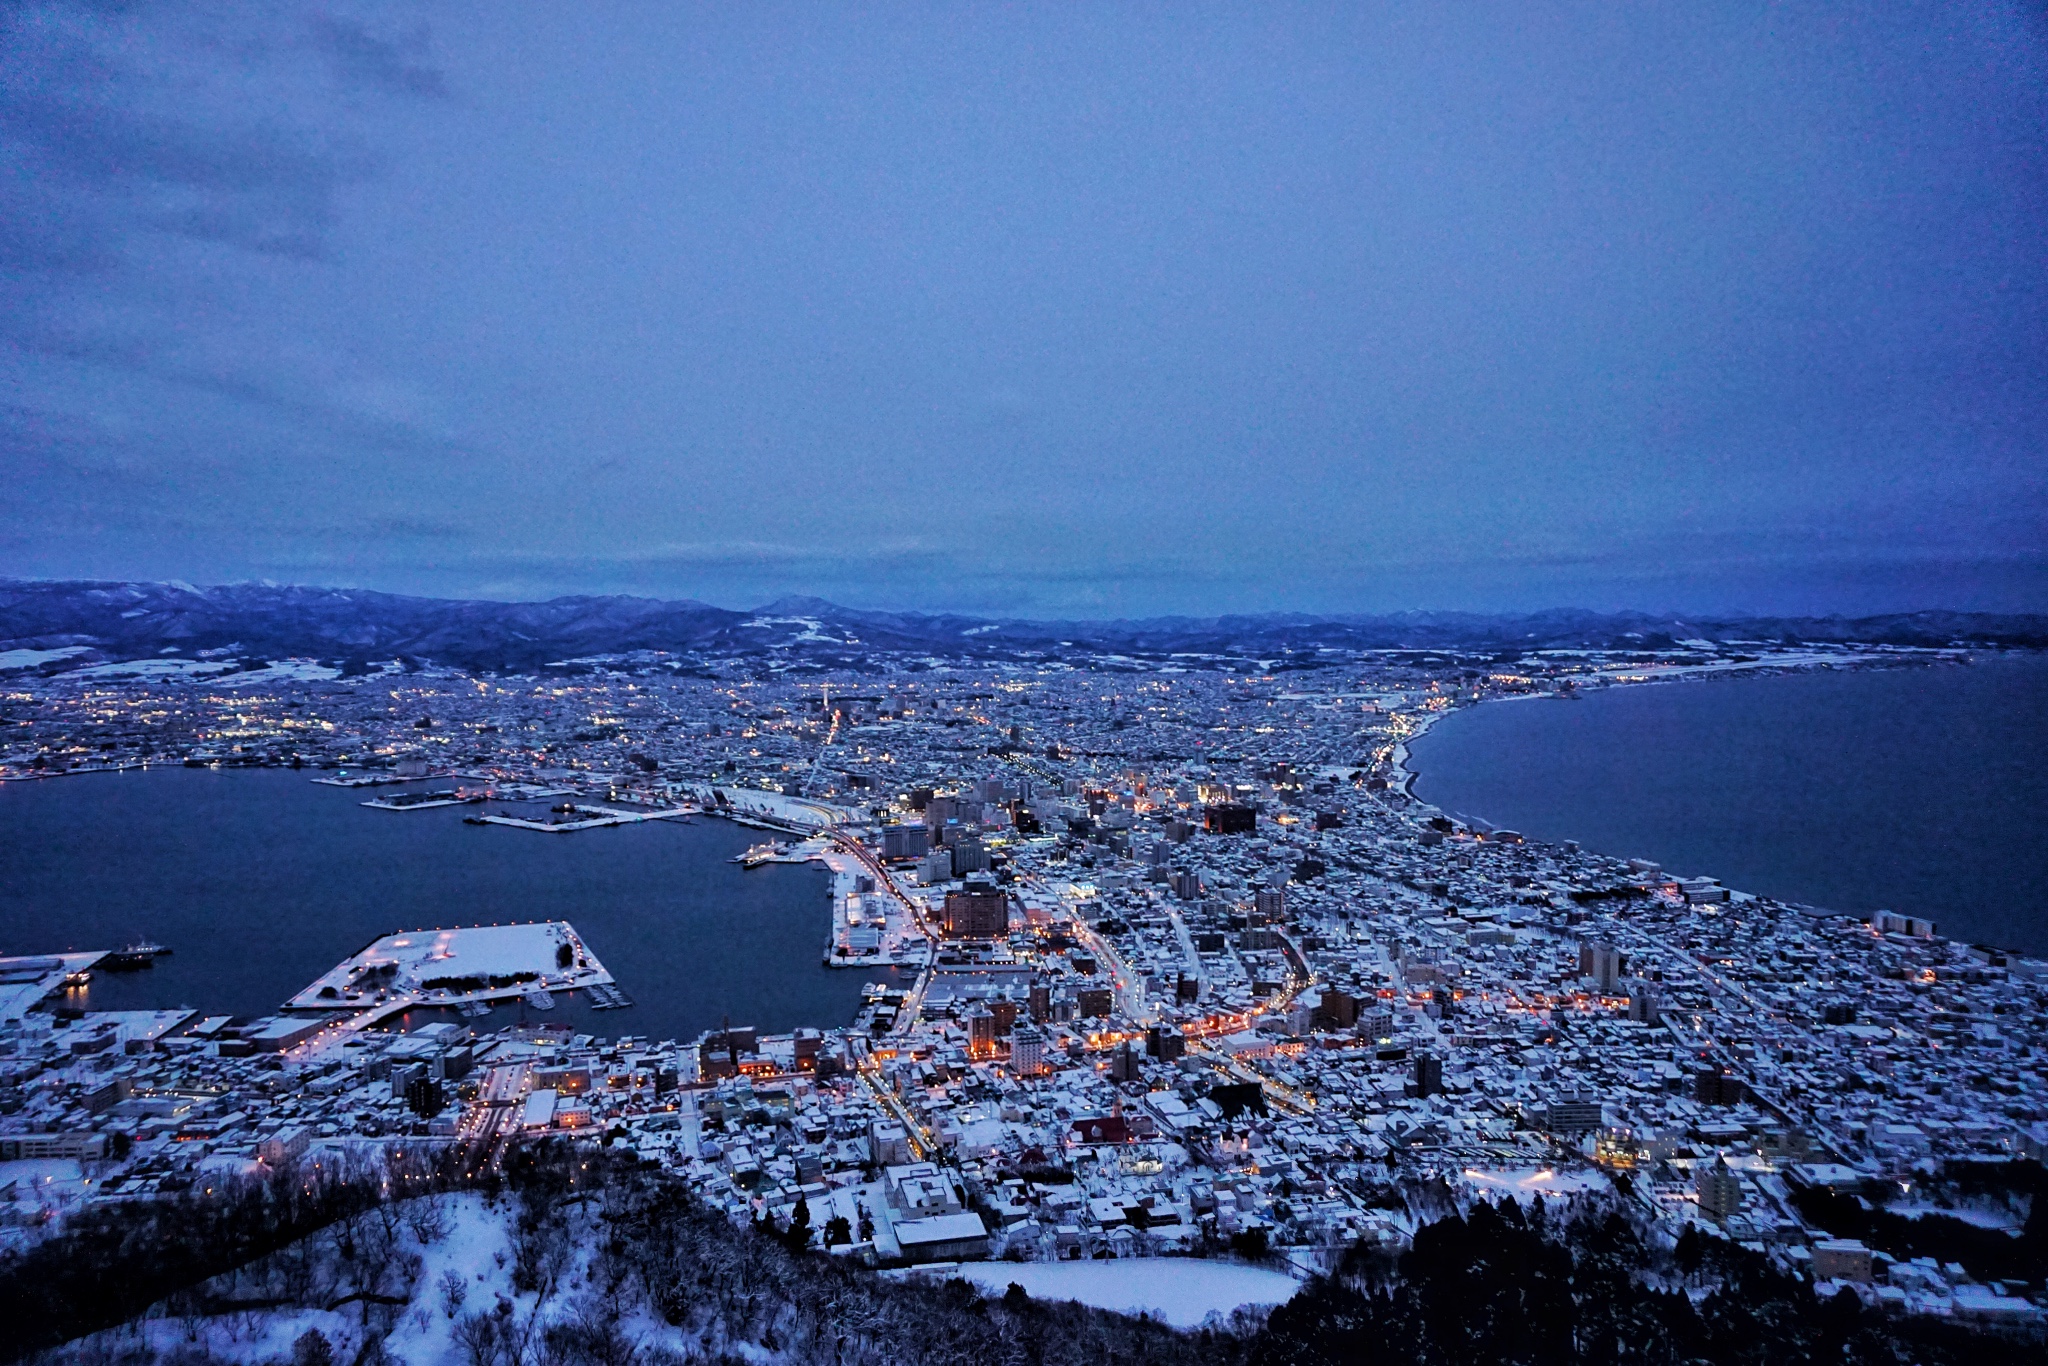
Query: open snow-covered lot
1174	1290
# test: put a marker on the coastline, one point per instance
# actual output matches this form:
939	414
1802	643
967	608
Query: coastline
1778	862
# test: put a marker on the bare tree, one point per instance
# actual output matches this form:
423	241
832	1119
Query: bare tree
454	1290
477	1335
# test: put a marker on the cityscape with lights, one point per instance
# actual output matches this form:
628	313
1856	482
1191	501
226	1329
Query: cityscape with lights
1178	966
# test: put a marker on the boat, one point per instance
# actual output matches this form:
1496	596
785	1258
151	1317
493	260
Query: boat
759	854
78	978
141	954
540	998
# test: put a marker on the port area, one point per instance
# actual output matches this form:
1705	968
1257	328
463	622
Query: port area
874	923
773	810
476	964
422	801
579	816
26	982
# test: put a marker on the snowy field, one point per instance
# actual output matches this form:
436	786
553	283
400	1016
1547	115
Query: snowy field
1527	1184
28	659
1176	1290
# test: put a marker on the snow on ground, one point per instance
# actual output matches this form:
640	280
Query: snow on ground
1527	1183
1177	1290
285	670
28	659
155	668
2002	1220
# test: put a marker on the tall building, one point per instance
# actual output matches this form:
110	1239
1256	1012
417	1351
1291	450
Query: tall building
1165	1043
1572	1114
1338	1009
1712	1086
1229	818
1027	1051
978	912
981	1034
1719	1190
1376	1023
969	856
1602	965
1429	1075
905	841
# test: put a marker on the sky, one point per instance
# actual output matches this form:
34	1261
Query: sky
1034	309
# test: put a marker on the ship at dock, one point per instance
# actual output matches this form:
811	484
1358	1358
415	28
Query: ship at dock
135	957
759	854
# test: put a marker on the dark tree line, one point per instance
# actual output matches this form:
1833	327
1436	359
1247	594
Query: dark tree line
1986	1253
1495	1285
1499	1286
114	1260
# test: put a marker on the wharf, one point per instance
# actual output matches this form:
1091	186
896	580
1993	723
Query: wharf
595	817
24	982
425	801
454	968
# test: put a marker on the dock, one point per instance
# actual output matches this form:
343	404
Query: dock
466	968
592	818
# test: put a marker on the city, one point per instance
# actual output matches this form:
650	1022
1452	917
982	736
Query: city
1181	967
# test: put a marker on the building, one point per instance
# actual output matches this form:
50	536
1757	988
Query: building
1841	1259
981	1034
424	1097
1719	1190
1891	922
1574	1114
888	1144
1643	1005
1269	906
943	1238
905	841
76	1147
1229	818
1165	1043
1093	1002
1712	1086
969	856
1376	1023
977	912
1429	1075
1338	1009
1027	1051
1602	965
919	1189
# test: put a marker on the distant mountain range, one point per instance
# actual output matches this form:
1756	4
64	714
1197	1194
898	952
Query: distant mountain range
93	622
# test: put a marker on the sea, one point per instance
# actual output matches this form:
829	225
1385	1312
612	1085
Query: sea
1917	789
261	880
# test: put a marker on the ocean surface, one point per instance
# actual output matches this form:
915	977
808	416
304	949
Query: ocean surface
1921	790
259	881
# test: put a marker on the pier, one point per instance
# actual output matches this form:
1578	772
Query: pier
457	969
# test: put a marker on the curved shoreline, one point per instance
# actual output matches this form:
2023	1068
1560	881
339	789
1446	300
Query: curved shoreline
1531	783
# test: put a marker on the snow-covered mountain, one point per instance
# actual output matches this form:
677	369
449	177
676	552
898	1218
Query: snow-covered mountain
60	625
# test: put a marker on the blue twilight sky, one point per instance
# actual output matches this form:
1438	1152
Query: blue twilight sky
1034	308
